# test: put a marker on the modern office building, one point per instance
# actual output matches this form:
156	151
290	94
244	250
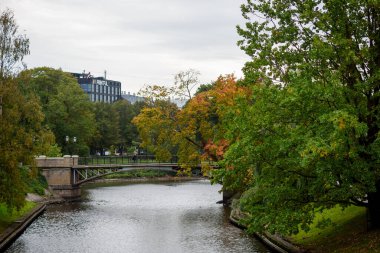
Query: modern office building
99	88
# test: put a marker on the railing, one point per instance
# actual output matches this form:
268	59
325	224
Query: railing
128	159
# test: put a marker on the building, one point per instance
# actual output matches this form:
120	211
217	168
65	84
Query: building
132	98
99	89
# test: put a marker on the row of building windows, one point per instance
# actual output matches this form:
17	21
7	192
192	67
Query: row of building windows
102	98
99	88
88	87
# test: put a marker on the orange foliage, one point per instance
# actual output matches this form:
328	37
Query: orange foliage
204	114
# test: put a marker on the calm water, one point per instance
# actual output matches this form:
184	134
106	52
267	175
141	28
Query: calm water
162	217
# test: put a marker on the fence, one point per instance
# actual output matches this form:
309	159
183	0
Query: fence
128	159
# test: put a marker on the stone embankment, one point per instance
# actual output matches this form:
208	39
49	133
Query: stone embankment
18	227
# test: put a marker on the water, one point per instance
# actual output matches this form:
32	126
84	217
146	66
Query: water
162	217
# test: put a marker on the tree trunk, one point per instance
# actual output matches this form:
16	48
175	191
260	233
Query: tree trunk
373	211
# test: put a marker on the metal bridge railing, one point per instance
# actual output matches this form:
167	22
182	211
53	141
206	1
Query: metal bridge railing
128	159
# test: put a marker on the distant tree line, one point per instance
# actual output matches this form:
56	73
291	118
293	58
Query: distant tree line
97	127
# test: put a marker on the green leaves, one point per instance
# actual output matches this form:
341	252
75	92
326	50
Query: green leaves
310	129
67	109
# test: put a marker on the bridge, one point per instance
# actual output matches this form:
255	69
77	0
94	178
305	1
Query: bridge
66	174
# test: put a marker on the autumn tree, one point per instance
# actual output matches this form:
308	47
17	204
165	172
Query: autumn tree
156	125
195	132
201	122
185	82
310	131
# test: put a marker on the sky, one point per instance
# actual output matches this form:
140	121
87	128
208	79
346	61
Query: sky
138	42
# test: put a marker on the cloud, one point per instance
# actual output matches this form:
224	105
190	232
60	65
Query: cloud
137	41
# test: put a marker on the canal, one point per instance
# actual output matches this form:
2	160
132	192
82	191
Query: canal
147	217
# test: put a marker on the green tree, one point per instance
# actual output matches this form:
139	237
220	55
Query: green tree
67	108
23	134
309	135
128	131
107	128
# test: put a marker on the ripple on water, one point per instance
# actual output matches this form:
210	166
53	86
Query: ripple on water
170	217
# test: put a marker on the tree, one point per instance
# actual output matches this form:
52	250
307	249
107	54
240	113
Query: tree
23	136
107	128
68	109
13	46
195	132
309	134
157	129
128	131
185	82
201	122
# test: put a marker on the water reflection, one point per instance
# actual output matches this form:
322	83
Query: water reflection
165	217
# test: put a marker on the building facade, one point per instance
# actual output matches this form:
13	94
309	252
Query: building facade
132	98
99	89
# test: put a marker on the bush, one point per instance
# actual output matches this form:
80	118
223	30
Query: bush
35	182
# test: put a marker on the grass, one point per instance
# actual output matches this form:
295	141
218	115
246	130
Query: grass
7	217
349	234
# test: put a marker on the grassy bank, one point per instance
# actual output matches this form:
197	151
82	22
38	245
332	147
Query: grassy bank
349	234
31	184
9	216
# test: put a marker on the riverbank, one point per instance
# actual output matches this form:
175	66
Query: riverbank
274	242
16	228
348	235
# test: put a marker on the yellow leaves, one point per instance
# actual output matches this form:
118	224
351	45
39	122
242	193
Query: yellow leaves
249	176
323	153
196	129
341	123
153	92
157	129
315	150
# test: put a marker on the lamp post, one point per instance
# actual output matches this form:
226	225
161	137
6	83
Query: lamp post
67	140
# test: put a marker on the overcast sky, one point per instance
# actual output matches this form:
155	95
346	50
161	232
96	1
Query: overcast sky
137	41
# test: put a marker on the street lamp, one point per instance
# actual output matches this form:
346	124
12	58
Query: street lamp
67	140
